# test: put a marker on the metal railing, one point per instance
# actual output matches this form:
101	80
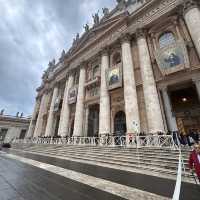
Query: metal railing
110	141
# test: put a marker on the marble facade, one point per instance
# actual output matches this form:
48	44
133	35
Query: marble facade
151	46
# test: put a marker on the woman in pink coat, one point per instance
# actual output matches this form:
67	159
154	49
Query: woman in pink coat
194	160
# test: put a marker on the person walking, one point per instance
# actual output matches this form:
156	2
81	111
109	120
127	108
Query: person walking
194	161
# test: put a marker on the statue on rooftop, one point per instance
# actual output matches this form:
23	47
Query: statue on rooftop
77	36
96	19
121	4
86	27
2	112
105	11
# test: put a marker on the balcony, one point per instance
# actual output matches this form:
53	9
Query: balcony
93	83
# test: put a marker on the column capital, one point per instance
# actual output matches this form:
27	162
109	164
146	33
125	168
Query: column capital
105	51
126	37
188	5
141	33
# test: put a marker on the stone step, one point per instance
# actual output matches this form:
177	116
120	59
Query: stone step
119	156
128	163
109	149
149	155
154	162
125	164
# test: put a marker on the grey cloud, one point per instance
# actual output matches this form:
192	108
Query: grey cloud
31	34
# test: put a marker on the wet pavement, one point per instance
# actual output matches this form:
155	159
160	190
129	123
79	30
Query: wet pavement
22	181
19	181
156	185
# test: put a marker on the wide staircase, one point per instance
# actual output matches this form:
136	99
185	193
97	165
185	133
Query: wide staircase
161	162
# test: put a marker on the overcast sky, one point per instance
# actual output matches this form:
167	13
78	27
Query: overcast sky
33	32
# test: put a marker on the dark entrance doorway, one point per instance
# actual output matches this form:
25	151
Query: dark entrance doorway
120	123
57	125
72	128
186	108
93	121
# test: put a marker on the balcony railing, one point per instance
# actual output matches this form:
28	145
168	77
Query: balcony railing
108	141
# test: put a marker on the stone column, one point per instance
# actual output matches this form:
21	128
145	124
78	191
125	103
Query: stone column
86	121
104	112
197	84
192	19
65	111
130	93
39	123
32	124
171	120
50	120
152	104
78	121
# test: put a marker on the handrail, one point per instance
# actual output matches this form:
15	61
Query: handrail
177	190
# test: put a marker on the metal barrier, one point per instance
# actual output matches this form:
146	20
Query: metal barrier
110	141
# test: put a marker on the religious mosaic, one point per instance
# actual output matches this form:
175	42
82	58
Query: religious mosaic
72	96
172	58
114	77
57	104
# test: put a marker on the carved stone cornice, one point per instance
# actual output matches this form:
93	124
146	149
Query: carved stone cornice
188	5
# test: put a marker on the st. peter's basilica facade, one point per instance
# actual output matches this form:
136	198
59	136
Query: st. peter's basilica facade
136	70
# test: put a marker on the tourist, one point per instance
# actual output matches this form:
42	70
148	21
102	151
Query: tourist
194	160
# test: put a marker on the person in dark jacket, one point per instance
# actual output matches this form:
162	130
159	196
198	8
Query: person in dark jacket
194	160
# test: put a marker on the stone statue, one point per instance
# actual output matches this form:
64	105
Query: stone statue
2	112
75	40
86	27
121	4
53	62
22	114
105	11
77	36
96	18
63	54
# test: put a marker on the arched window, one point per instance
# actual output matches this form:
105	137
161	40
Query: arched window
166	39
116	58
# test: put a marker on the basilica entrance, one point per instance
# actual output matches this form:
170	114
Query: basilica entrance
93	121
120	123
186	108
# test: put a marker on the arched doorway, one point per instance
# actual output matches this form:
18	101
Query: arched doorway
120	123
93	121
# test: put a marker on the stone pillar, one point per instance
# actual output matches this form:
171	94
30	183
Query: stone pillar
65	111
152	104
50	120
32	123
86	121
39	123
104	110
192	19
78	121
197	84
130	93
171	120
